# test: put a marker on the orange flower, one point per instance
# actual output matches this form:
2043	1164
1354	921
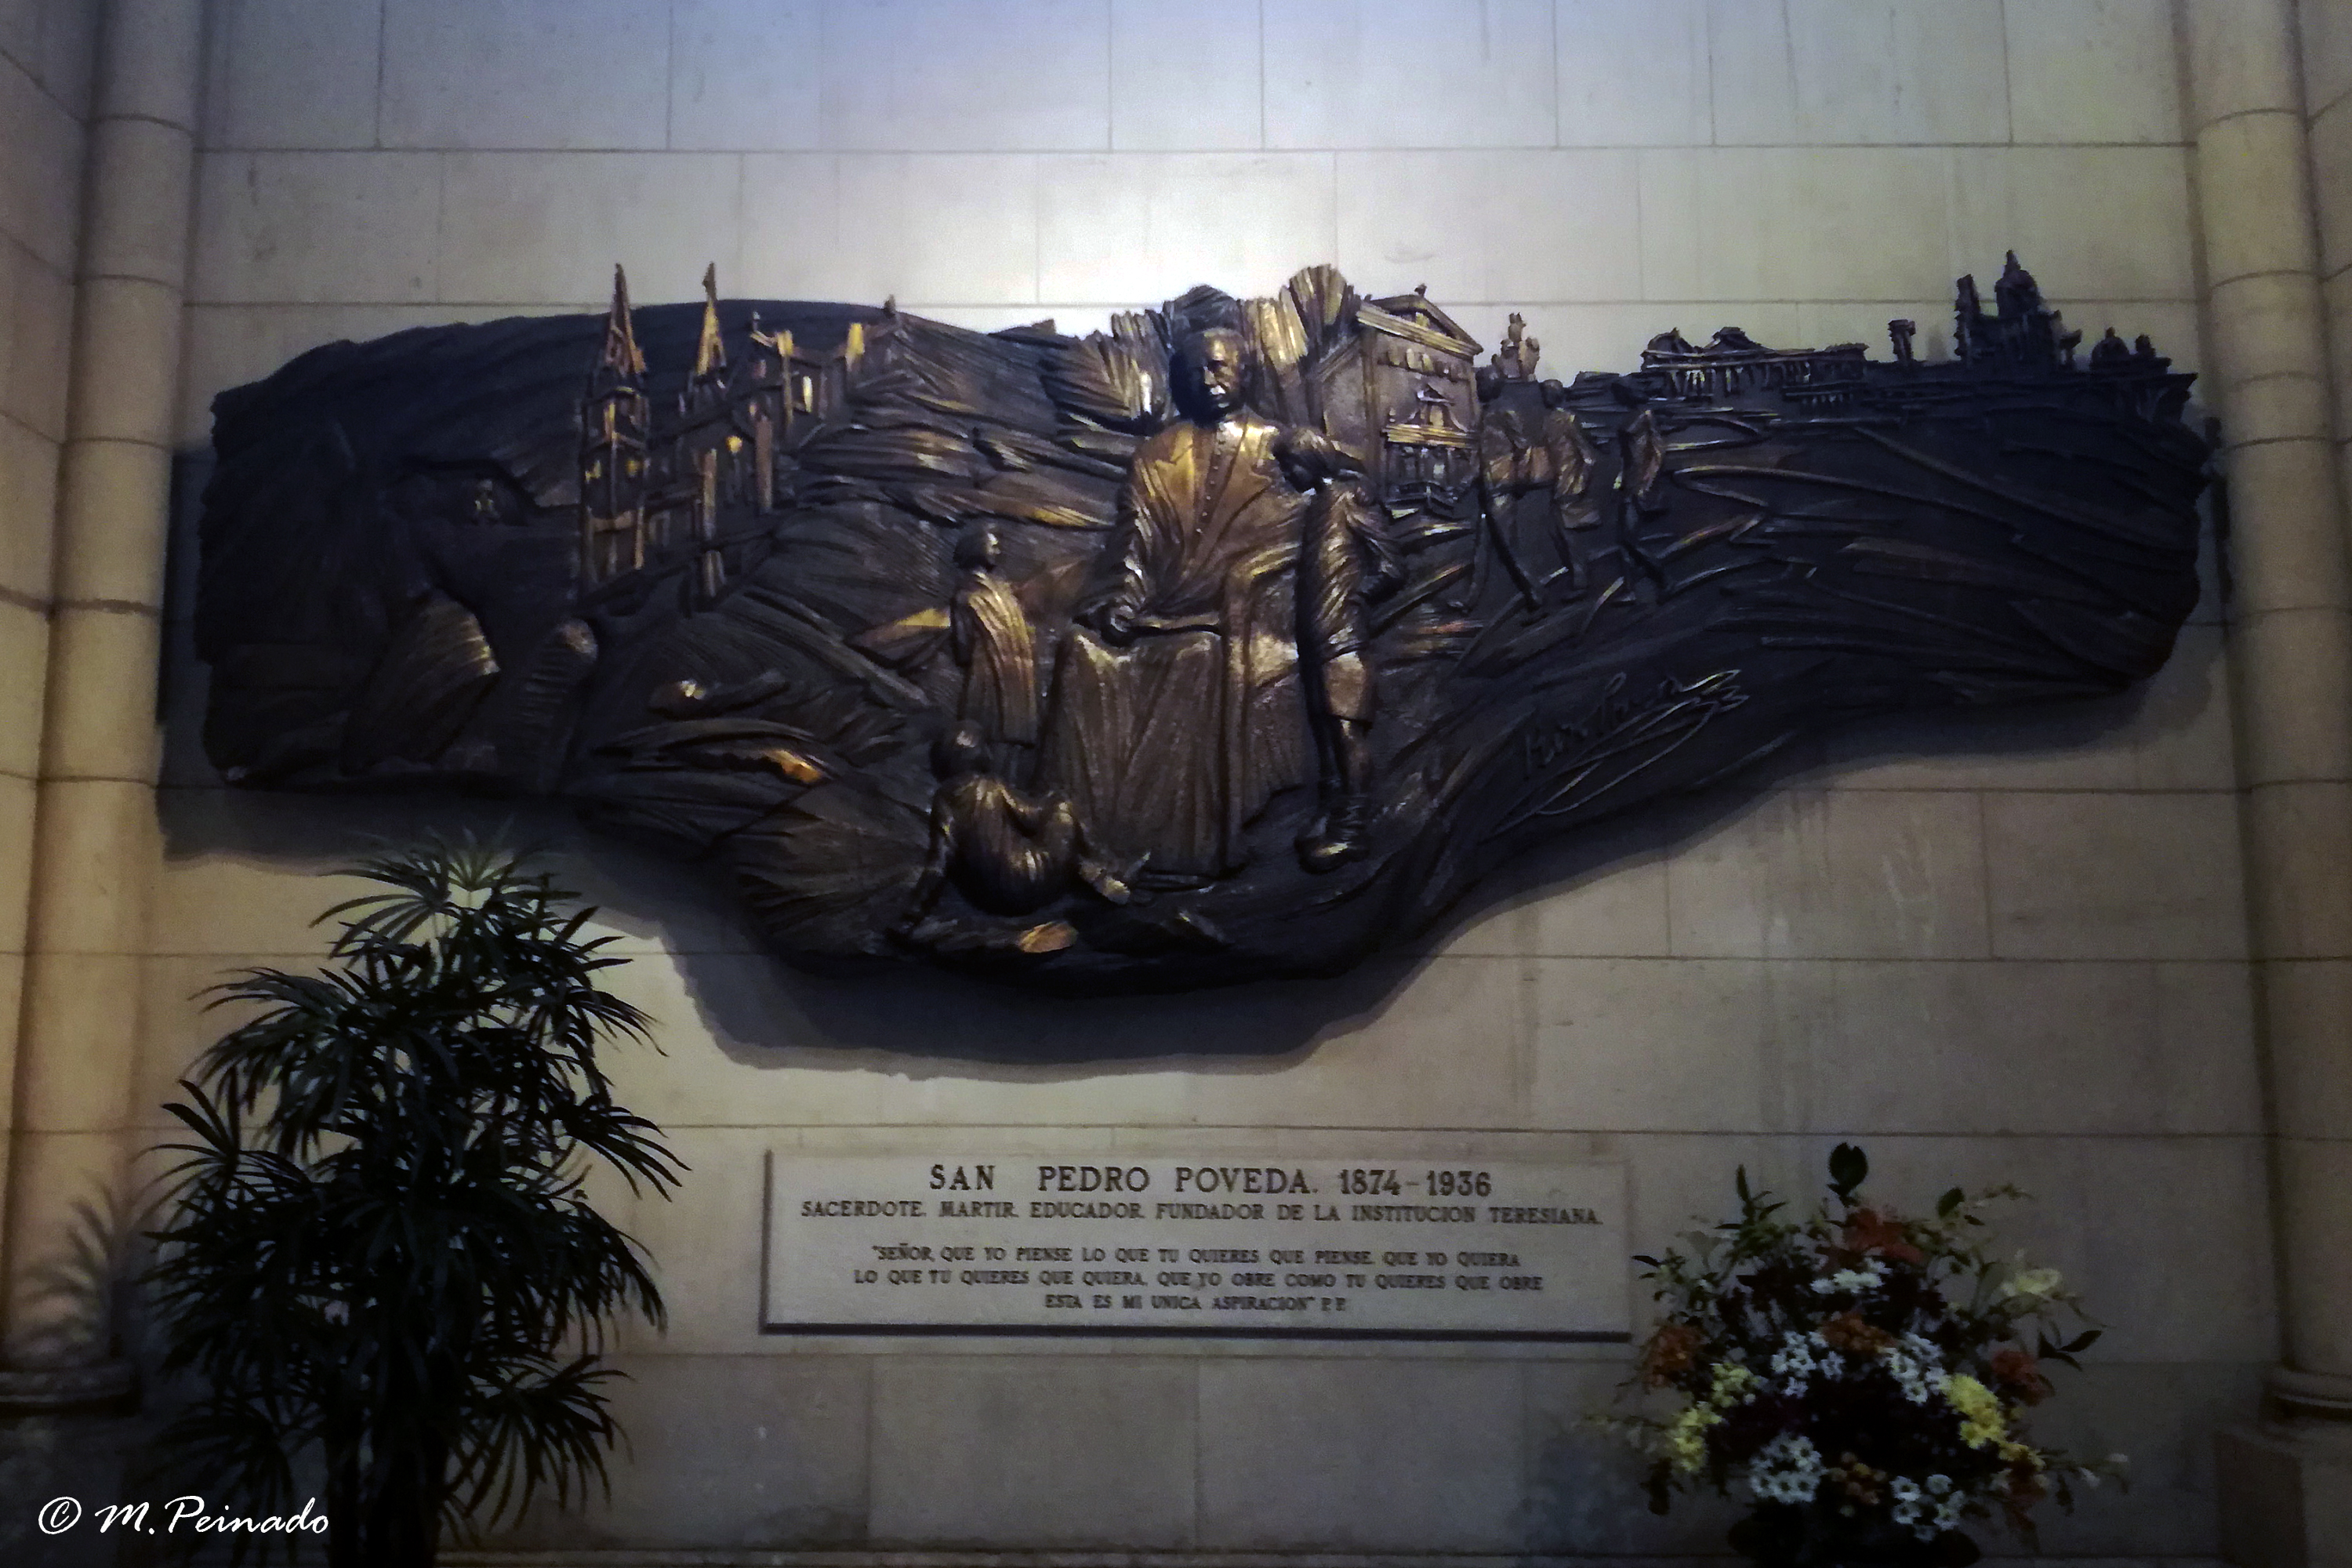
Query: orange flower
1848	1332
1868	1231
2015	1368
1669	1353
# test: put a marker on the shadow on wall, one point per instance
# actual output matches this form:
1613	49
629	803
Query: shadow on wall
768	1015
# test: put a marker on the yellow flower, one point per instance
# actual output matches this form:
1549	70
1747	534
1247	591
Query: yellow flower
1731	1381
1686	1437
1982	1421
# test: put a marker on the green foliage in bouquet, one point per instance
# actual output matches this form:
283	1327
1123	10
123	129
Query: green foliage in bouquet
380	1251
1860	1375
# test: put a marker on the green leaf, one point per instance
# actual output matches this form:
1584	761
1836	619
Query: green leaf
1950	1203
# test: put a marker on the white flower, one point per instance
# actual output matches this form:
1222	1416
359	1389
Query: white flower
1937	1486
1852	1281
1787	1469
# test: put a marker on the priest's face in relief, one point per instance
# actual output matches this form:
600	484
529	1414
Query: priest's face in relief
1215	360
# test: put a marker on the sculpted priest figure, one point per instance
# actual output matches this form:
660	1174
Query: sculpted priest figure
1176	705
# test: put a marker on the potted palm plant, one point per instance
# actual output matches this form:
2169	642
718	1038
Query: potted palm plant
380	1256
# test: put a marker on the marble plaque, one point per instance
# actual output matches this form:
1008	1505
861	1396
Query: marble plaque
1264	1244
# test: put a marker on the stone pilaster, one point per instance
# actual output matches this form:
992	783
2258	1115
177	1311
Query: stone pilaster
94	837
2292	625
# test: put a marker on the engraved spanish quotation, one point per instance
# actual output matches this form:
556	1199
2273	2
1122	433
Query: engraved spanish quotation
1266	1244
1234	641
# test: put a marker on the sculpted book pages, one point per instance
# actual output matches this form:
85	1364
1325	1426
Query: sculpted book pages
1234	641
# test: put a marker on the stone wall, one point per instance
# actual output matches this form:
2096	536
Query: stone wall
2006	948
45	90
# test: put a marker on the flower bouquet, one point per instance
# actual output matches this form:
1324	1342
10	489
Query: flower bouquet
1860	1375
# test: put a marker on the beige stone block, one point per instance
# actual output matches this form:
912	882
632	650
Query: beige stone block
1633	73
2155	1232
226	906
1365	73
1637	1045
229	345
2183	732
2298	839
2266	324
2034	1049
951	228
530	227
25	654
2073	745
112	512
293	73
2298	667
481	74
2240	57
1244	221
1603	896
743	74
2092	70
2323	41
1810	874
1849	223
177	1021
1186	78
12	995
2114	875
2093	223
2315	1188
2252	190
2279	1491
1826	72
2305	1004
537	226
996	76
20	32
2326	27
307	228
2331	171
1347	1052
1490	226
94	860
126	339
28	510
2205	1038
17	825
725	1452
69	1202
34	339
152	61
2336	296
1362	1053
79	1042
1397	1455
101	720
69	51
139	214
2286	544
2288	407
40	179
1105	1458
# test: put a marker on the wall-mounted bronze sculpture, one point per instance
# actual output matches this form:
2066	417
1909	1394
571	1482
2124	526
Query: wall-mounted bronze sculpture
1233	641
